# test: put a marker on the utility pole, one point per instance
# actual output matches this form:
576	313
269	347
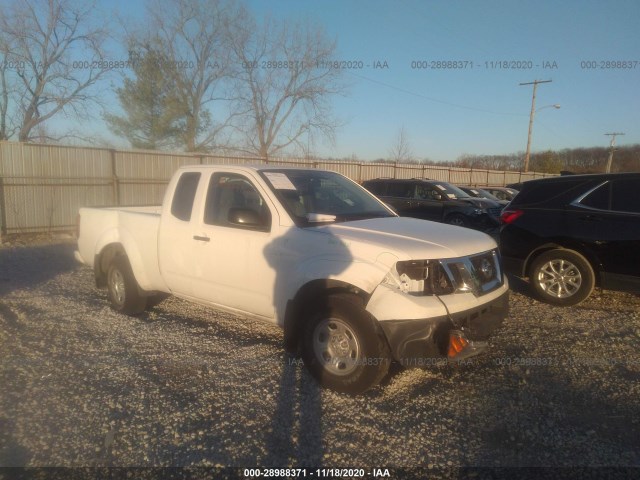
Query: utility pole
533	113
611	145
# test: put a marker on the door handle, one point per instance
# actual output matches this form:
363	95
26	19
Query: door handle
201	238
592	218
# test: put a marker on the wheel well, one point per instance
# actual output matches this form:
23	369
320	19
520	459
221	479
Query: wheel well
293	320
593	261
103	260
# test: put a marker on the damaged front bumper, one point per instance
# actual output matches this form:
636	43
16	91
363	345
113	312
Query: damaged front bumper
454	336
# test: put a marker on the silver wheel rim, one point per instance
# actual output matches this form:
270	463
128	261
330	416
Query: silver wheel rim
559	278
336	346
116	284
457	221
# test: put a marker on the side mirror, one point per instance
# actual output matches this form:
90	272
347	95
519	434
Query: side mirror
244	217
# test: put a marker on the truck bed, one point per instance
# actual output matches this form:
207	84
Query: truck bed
132	227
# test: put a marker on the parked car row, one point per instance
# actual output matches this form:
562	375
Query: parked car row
437	201
566	235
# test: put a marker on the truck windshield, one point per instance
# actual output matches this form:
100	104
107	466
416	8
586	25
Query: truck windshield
316	196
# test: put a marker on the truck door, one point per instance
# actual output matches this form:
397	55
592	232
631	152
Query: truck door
230	235
175	238
427	204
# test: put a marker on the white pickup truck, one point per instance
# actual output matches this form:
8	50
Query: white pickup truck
353	285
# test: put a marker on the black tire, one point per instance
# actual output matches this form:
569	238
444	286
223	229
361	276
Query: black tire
124	293
156	299
561	277
355	357
457	219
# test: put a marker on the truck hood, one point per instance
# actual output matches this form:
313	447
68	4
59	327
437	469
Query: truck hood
483	203
410	238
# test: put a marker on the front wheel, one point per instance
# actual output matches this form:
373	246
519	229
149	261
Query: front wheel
124	293
562	277
343	346
457	219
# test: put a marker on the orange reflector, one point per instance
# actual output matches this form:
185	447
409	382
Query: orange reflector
457	344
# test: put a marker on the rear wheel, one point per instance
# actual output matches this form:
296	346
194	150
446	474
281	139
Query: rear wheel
124	292
562	277
343	346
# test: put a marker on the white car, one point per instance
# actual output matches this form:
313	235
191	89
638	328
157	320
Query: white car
353	285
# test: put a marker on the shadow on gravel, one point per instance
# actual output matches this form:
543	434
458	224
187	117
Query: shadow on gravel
27	267
12	454
295	437
518	285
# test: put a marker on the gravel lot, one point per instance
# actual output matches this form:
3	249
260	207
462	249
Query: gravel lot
182	385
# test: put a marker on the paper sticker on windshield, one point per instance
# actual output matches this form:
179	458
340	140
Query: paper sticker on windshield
451	195
441	187
280	181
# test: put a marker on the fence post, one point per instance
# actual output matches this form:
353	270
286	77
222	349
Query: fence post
114	178
487	177
3	210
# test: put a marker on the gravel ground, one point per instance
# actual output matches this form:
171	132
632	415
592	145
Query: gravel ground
183	385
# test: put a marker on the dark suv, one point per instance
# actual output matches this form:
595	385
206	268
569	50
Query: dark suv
437	201
568	234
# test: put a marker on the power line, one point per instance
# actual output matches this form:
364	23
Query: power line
431	99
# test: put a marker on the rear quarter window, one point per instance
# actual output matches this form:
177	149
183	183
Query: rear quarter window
184	195
544	192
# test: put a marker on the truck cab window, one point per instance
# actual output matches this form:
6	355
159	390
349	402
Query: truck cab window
184	195
232	195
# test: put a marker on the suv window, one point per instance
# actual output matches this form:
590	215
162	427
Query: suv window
626	195
184	195
600	198
544	191
377	188
227	191
400	189
426	192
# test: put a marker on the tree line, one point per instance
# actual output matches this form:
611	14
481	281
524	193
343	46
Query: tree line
198	75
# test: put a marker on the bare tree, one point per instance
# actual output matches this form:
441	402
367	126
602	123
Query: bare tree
4	86
283	83
401	149
190	35
47	38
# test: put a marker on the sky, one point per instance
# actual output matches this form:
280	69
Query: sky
480	108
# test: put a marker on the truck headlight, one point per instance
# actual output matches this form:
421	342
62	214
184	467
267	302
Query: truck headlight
419	277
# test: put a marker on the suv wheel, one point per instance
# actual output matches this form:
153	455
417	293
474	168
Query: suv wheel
457	219
562	277
343	346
